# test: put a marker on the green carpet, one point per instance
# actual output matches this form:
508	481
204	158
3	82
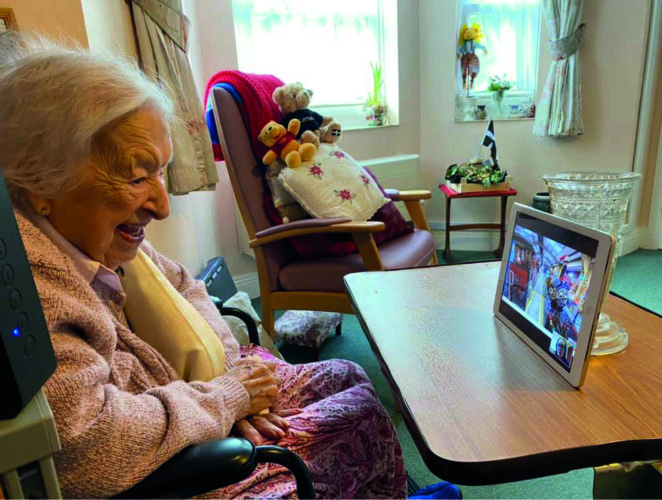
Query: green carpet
636	278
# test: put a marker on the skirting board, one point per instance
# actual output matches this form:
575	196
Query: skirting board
485	240
248	283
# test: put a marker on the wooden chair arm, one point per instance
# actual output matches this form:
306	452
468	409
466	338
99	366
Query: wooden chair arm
410	195
270	236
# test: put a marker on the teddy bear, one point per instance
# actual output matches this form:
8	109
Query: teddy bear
293	100
282	144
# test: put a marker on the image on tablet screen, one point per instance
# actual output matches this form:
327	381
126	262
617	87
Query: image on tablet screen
547	282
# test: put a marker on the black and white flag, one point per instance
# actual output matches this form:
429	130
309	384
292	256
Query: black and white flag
490	142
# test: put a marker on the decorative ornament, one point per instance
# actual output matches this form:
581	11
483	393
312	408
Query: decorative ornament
468	42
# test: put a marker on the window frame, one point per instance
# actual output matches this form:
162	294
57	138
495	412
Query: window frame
352	116
511	97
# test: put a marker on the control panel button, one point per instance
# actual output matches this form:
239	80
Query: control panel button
3	250
30	345
23	322
7	274
15	299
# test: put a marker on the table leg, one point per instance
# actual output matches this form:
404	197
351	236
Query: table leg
502	229
447	249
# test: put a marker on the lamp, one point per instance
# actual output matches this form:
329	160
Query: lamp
598	200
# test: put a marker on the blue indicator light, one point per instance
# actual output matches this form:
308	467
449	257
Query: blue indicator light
16	332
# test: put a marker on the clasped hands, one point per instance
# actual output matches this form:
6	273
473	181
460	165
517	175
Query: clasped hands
259	379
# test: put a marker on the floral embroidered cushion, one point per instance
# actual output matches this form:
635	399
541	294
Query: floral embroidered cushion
333	184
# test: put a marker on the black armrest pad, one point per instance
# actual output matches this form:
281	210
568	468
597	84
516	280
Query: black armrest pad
253	334
198	469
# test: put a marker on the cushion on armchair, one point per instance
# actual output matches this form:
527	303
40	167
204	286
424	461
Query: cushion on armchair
333	184
396	225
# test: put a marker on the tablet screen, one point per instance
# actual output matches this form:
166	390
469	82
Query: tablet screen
546	284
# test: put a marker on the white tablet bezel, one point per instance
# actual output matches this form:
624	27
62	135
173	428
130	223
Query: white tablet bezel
599	275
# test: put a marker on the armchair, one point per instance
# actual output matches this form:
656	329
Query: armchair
287	281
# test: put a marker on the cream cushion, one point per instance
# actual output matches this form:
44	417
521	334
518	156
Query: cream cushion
159	315
333	184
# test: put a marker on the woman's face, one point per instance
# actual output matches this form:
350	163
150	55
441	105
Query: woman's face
122	190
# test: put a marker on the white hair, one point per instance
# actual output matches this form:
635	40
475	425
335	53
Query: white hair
55	103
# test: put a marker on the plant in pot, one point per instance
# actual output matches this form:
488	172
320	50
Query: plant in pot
376	109
498	86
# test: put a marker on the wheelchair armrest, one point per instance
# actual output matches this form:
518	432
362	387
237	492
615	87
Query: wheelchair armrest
198	469
253	335
205	467
248	320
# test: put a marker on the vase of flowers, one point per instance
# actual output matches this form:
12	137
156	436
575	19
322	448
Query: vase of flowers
498	86
375	107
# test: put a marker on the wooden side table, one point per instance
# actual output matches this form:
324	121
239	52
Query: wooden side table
451	194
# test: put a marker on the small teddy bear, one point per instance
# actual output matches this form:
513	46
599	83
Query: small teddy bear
293	100
282	144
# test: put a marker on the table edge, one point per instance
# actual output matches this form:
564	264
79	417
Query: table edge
516	468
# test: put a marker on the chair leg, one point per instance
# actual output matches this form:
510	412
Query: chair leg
339	329
269	321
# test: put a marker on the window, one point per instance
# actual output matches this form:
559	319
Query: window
328	46
511	34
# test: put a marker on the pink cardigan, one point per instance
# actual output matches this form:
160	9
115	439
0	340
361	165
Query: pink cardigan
120	409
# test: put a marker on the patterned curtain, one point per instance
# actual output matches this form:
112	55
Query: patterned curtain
559	111
162	35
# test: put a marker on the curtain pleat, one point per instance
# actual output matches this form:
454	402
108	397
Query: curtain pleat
162	34
559	110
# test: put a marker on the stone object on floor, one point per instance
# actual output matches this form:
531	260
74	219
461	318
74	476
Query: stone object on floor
307	328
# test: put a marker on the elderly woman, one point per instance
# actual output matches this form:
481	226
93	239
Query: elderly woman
84	143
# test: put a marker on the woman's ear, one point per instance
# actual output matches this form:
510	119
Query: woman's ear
39	204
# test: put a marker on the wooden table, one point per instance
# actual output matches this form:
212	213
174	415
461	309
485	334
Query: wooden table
451	194
482	407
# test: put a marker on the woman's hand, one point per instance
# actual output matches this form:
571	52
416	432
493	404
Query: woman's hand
259	380
271	425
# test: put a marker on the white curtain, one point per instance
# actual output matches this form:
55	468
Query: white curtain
162	33
559	110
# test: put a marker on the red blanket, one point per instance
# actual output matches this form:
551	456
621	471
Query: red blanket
257	106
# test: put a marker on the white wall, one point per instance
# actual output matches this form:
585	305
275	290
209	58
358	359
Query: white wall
61	19
612	67
108	26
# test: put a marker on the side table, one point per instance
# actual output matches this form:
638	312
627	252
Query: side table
451	194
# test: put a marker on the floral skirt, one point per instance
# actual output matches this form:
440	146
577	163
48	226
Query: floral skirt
344	435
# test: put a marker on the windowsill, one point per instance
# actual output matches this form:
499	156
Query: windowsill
466	107
368	127
352	117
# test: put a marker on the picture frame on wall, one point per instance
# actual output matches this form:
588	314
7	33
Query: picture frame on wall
7	20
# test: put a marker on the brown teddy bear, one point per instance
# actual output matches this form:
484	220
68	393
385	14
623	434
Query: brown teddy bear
282	144
293	100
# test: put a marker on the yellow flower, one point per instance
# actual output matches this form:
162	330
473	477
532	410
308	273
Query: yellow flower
473	32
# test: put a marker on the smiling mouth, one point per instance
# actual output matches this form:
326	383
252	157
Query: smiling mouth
130	233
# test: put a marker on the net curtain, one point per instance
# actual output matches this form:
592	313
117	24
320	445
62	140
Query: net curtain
559	110
162	37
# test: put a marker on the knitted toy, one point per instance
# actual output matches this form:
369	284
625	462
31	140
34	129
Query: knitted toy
293	100
468	42
282	144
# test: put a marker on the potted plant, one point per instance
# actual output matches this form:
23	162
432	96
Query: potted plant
477	175
375	105
498	86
